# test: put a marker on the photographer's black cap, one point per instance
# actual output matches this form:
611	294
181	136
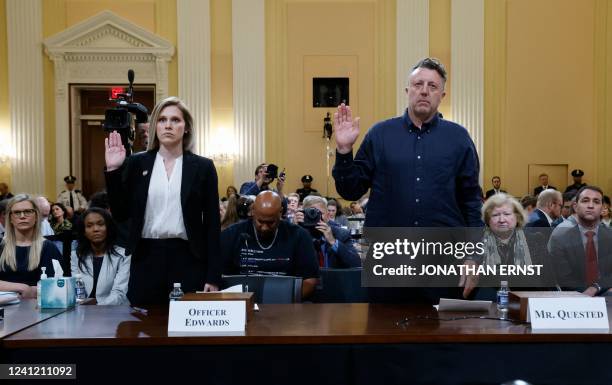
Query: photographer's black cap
307	178
577	173
70	179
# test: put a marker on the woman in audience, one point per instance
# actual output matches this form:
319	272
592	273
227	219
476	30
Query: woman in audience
171	197
231	191
23	250
59	219
506	243
104	266
335	213
231	213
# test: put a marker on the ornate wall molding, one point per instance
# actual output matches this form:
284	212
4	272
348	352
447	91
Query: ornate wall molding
26	101
412	42
467	58
194	83
100	50
248	38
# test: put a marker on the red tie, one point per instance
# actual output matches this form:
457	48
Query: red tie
592	269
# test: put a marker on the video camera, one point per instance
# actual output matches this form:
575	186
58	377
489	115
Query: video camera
119	118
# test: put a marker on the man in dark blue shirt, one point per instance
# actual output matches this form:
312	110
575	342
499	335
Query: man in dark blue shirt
422	170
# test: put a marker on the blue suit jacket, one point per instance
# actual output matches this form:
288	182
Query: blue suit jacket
346	255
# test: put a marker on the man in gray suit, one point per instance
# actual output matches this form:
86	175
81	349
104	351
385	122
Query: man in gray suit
582	254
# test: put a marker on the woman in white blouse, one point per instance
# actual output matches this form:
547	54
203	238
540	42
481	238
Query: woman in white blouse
104	267
171	197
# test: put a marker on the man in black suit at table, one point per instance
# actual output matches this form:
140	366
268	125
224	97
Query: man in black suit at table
582	254
543	185
496	188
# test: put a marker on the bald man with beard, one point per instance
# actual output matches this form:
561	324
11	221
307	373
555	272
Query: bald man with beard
267	245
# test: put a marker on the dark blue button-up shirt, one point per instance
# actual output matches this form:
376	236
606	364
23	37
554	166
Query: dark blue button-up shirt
424	177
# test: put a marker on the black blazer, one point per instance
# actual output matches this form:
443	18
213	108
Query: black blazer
568	256
491	192
537	219
539	189
128	189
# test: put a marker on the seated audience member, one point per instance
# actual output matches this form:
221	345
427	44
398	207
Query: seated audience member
23	250
100	200
59	219
293	205
332	243
104	266
506	243
222	208
306	187
231	213
582	254
4	192
230	191
45	208
548	208
543	185
3	217
262	182
496	182
566	210
529	203
606	215
335	213
265	244
356	209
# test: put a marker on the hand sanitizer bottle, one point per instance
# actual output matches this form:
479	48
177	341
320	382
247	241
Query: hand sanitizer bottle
43	275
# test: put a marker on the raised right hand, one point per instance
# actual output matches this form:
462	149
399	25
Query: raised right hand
114	153
347	129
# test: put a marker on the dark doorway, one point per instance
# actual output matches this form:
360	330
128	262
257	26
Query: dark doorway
94	101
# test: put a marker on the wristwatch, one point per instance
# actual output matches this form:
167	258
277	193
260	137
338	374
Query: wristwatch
596	286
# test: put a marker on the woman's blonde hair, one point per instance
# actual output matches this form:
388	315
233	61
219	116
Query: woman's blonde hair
188	136
8	258
501	199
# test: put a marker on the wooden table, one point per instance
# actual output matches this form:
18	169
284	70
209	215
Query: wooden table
314	344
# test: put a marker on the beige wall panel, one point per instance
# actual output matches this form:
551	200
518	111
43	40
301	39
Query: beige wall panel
5	133
141	12
313	30
550	88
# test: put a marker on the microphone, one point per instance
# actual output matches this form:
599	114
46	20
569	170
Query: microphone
131	80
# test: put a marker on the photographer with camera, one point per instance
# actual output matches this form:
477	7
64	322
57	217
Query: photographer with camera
332	243
171	197
264	176
266	244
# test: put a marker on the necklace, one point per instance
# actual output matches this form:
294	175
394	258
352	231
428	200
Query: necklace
259	243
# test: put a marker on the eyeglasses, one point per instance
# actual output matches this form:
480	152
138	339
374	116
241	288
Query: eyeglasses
25	213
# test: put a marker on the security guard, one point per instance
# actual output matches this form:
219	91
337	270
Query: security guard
577	175
306	190
71	197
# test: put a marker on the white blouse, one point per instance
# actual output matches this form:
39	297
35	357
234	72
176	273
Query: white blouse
164	214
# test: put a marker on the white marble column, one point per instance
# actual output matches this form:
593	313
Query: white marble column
467	60
193	35
412	42
26	103
248	40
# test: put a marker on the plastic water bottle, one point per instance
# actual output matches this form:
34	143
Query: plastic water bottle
176	293
43	275
79	285
502	299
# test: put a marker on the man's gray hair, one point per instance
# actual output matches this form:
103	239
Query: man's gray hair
312	200
547	197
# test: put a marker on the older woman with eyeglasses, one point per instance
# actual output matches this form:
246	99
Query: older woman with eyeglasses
506	242
23	250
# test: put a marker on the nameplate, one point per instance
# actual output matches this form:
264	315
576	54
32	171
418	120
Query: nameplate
206	318
568	315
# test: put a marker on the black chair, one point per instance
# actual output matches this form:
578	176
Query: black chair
268	288
340	285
